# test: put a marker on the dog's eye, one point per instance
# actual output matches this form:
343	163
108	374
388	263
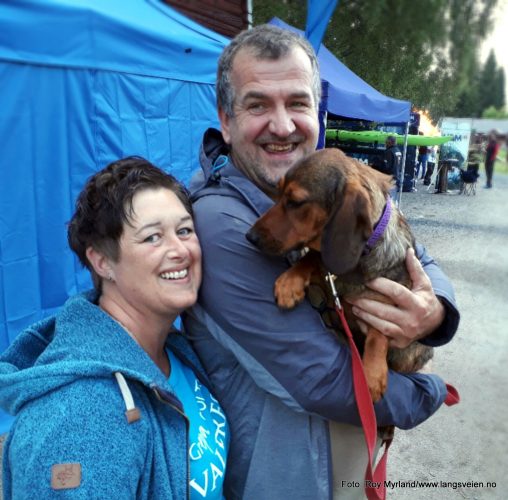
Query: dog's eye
294	203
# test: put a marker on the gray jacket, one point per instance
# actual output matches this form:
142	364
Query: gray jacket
279	375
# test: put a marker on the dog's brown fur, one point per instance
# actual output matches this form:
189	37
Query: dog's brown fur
330	204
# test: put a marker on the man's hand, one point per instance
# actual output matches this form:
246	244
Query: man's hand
414	314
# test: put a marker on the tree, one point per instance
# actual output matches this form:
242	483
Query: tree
492	112
424	52
488	83
498	99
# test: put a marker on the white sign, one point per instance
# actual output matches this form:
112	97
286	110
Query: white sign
458	147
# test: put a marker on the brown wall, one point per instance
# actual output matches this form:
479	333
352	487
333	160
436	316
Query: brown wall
227	17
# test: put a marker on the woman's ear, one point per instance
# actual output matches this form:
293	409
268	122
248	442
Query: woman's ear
100	263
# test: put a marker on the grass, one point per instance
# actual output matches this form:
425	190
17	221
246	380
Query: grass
501	165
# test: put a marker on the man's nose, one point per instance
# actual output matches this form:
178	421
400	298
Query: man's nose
281	122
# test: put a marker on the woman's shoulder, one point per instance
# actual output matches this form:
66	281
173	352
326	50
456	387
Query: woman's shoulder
82	426
91	403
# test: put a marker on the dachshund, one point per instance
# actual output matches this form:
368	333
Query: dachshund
338	210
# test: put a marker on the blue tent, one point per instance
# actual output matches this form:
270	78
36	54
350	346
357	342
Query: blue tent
85	82
346	94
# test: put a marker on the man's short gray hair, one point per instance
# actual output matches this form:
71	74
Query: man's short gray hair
266	42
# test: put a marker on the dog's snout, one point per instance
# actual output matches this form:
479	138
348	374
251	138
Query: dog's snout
253	236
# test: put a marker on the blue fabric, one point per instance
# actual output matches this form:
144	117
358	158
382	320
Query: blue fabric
85	82
208	432
349	95
318	15
278	374
58	379
142	37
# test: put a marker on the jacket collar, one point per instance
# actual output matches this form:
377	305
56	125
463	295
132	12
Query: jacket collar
227	178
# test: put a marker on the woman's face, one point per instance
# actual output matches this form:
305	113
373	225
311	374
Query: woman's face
159	269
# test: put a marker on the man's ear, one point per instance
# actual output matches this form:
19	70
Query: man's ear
225	122
100	263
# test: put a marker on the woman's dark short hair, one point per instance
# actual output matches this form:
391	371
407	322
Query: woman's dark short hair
105	205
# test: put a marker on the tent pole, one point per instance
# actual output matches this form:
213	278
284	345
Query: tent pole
403	169
249	14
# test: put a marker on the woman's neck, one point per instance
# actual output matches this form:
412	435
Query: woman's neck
148	331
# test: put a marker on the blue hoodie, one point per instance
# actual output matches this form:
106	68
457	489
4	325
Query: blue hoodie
58	378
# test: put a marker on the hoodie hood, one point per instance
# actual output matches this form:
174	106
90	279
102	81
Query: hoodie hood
80	341
212	148
219	176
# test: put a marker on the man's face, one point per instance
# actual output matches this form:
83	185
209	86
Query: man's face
275	121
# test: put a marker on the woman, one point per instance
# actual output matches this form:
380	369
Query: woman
109	402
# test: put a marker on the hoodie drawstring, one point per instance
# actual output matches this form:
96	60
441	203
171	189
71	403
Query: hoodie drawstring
132	413
220	162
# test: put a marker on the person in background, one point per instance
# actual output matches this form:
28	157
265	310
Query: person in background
474	156
393	159
431	165
110	400
423	156
282	377
490	157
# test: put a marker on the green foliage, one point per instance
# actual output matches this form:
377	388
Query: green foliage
492	112
499	96
490	80
424	51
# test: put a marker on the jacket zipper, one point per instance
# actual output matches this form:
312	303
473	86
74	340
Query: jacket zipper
187	424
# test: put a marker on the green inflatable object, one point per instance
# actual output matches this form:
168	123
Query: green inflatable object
380	137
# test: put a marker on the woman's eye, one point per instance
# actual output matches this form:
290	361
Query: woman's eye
153	238
185	231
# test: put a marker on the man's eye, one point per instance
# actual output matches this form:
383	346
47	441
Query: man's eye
299	105
153	238
256	107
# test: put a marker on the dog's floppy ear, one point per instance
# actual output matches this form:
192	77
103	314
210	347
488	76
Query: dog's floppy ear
347	231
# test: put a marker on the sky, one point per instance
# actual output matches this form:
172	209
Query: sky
498	40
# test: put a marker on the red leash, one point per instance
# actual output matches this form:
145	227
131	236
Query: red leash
374	479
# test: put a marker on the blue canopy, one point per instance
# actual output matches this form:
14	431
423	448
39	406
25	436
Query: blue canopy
85	82
346	94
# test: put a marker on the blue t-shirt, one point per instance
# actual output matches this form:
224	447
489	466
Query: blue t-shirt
208	432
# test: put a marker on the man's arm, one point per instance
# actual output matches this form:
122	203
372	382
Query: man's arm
288	353
426	313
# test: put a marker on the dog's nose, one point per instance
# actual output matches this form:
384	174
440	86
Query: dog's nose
253	236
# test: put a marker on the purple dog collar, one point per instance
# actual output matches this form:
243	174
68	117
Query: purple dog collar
380	227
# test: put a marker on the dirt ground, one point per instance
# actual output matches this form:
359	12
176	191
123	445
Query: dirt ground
466	443
462	451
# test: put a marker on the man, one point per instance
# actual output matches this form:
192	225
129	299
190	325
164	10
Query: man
490	157
281	376
392	158
423	157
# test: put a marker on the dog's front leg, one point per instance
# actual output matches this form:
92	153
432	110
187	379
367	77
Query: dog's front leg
374	363
290	286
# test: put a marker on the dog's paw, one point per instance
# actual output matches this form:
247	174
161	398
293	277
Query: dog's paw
377	382
289	290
